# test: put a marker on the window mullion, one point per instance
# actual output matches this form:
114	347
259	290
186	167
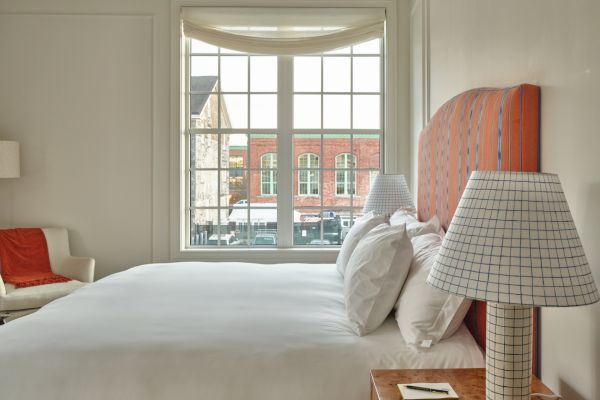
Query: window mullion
285	185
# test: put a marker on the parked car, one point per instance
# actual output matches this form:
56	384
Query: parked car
225	239
265	239
319	242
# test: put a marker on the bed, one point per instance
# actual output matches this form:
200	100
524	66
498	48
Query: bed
236	330
200	330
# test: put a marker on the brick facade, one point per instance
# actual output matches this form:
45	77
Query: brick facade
365	148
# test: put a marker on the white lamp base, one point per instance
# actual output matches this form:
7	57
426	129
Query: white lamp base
508	352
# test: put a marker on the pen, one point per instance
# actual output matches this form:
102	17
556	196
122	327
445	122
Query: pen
426	389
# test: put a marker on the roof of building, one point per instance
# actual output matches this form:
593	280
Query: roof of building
204	85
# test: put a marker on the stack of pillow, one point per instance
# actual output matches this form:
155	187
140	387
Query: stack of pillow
385	265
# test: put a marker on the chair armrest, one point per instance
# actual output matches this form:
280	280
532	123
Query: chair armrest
78	268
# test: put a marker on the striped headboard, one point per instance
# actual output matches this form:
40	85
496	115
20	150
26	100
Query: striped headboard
480	129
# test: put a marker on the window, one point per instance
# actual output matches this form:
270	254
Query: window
268	177
345	176
308	174
236	161
267	130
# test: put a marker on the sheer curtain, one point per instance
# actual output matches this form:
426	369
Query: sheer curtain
282	31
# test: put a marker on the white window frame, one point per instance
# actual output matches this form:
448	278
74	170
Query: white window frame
270	172
395	142
349	171
308	169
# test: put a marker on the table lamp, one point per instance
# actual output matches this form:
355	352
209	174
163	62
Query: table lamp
512	242
388	194
9	159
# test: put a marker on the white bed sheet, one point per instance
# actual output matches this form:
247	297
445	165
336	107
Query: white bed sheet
208	331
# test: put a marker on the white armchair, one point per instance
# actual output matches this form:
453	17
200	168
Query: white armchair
18	302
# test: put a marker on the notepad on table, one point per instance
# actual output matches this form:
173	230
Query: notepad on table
412	394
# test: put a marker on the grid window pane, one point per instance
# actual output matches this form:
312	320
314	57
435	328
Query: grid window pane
268	183
365	74
260	144
336	111
263	111
306	143
307	74
263	226
308	182
365	112
336	74
307	226
204	150
203	225
234	74
307	111
204	188
204	109
368	147
234	226
204	66
234	111
236	181
263	74
234	150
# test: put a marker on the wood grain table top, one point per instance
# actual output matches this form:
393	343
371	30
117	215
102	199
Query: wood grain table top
469	383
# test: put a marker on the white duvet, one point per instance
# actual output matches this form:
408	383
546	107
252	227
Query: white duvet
207	331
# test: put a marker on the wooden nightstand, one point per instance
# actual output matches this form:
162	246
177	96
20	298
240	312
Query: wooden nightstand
469	383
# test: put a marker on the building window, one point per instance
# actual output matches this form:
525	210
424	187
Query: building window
308	174
248	115
268	175
236	162
345	174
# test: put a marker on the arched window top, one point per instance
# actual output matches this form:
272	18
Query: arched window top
345	160
308	160
268	160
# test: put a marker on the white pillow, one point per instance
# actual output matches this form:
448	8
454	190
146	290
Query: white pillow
402	217
375	275
413	226
361	227
424	313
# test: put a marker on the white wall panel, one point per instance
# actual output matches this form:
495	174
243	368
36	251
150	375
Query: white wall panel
77	94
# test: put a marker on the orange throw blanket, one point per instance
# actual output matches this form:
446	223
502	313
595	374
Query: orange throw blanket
24	259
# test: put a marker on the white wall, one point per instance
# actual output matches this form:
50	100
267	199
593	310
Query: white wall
554	44
85	88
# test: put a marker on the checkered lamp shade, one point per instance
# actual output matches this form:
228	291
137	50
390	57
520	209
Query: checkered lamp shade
388	194
512	240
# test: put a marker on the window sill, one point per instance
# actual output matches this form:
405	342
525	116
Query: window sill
260	255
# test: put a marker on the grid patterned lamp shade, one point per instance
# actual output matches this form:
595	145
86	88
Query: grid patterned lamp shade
388	194
9	159
512	242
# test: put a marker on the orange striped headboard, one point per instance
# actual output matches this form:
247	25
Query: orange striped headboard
480	129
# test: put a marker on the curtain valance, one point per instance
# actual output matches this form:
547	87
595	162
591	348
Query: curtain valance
282	31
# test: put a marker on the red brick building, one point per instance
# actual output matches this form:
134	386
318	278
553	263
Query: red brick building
335	185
